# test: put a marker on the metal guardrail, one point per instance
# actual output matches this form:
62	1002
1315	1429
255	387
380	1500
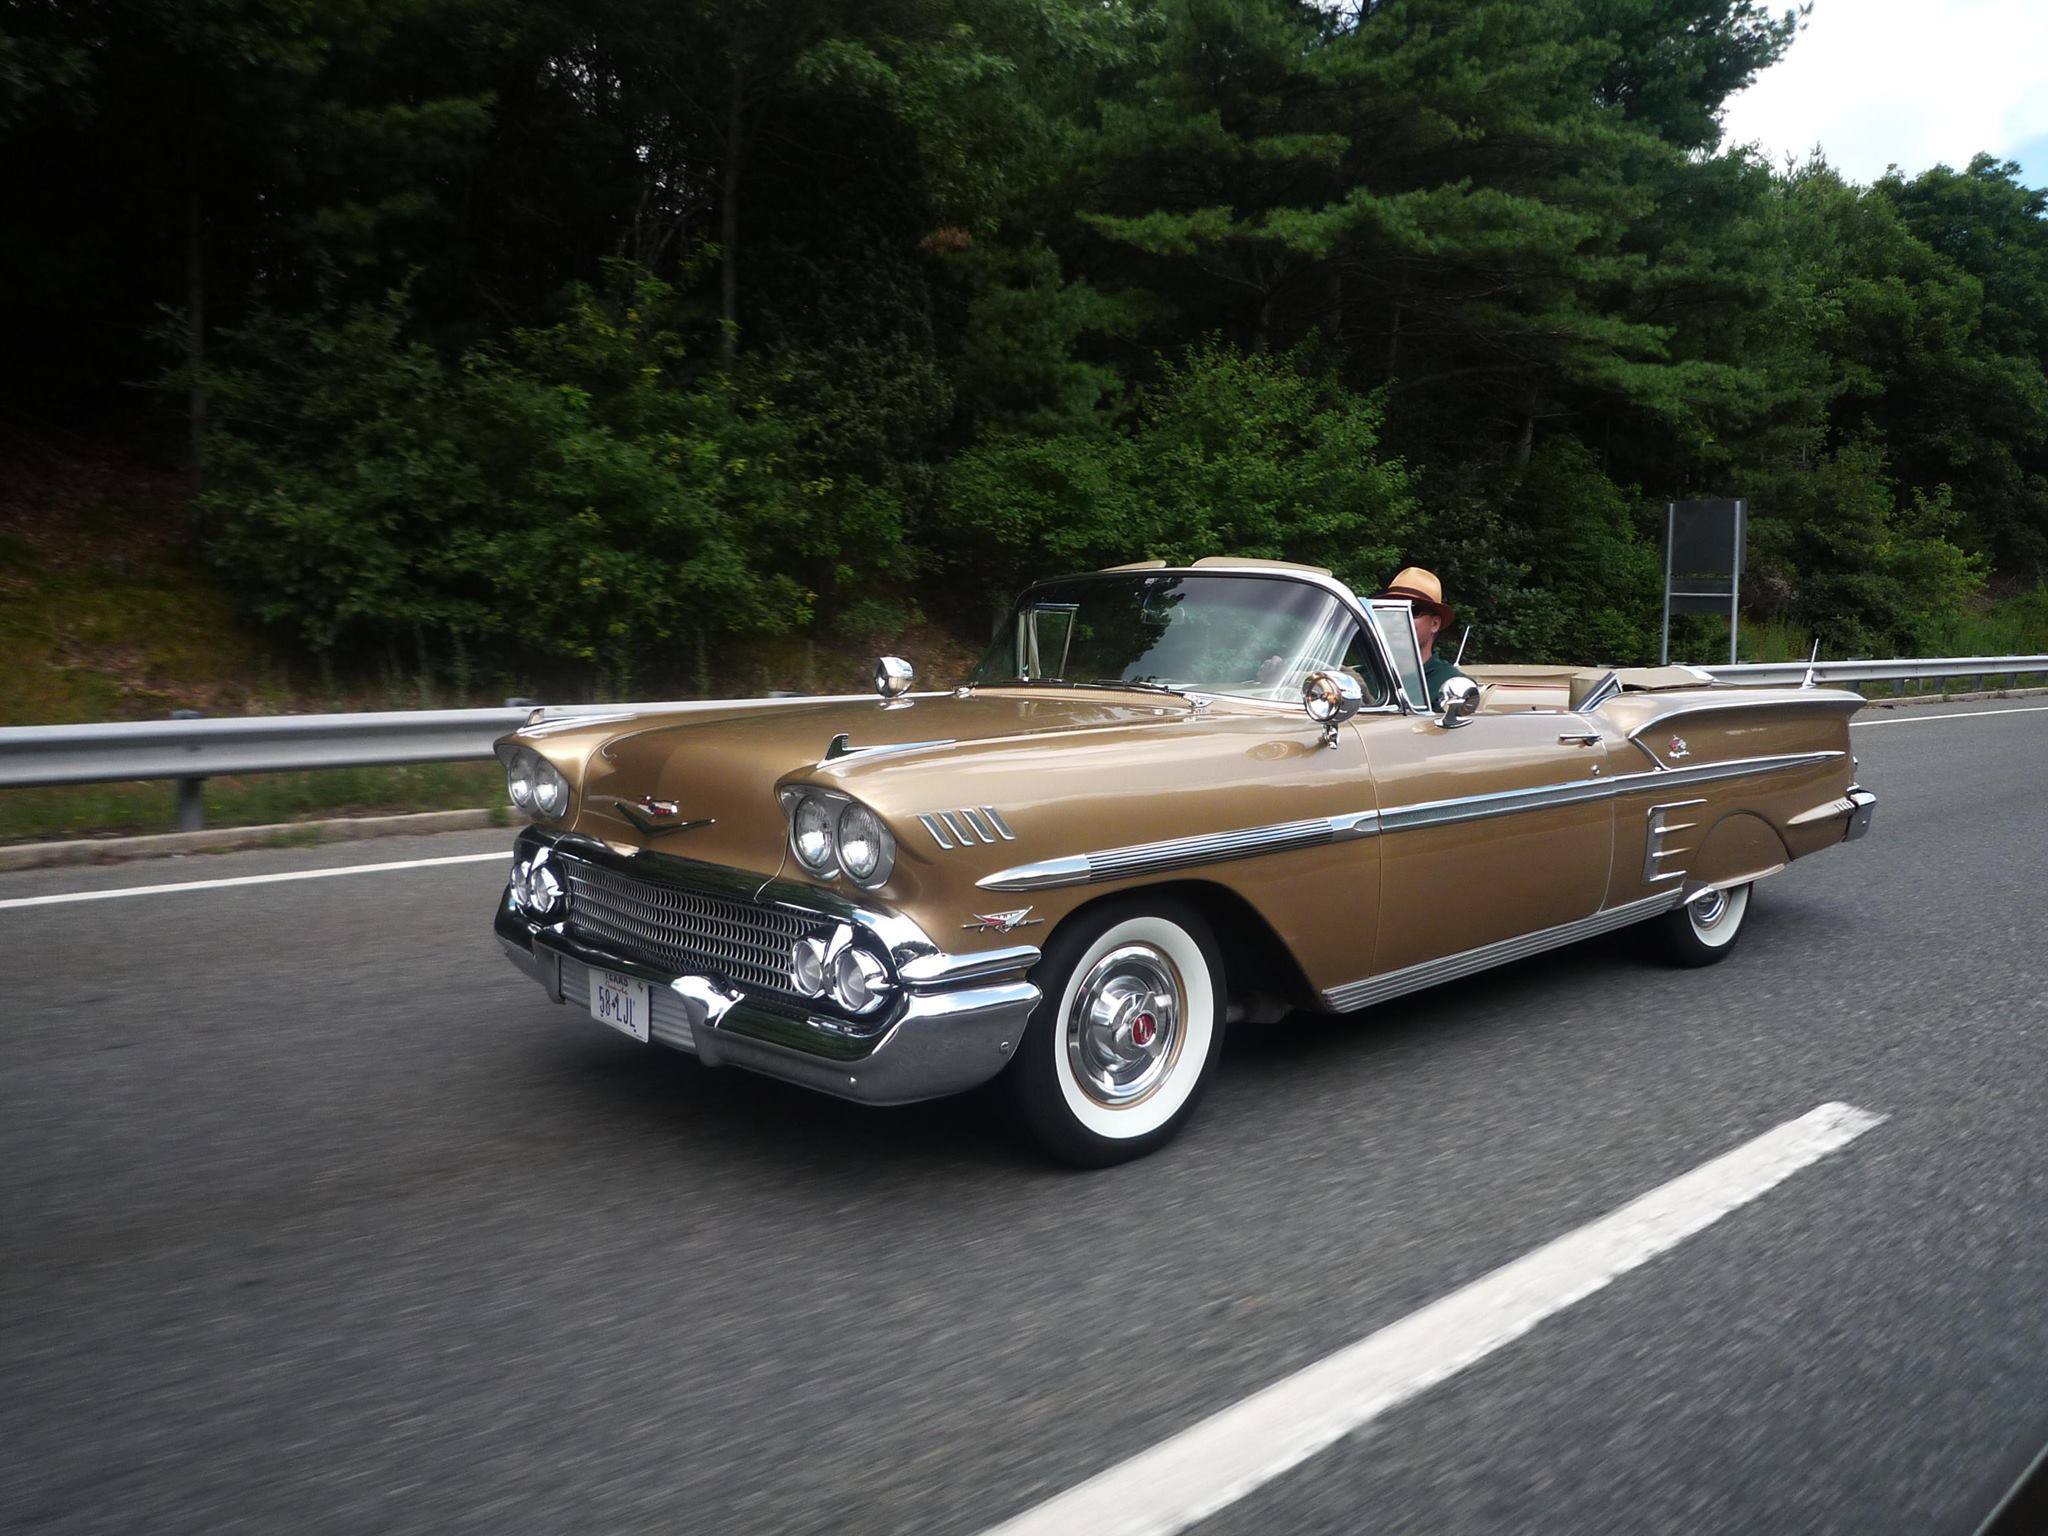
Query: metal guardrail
191	750
1899	670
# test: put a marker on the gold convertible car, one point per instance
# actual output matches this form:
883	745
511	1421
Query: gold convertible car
1171	799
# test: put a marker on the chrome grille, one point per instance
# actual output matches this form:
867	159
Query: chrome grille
681	931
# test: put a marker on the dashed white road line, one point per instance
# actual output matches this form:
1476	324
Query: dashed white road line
1961	714
65	897
1218	1461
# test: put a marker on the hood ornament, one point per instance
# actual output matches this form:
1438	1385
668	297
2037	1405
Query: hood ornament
652	815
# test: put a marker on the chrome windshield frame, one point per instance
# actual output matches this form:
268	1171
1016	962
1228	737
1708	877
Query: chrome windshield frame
1348	599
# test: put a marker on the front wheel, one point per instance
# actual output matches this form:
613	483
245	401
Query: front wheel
1127	1029
1705	929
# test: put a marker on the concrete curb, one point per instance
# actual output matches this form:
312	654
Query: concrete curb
284	834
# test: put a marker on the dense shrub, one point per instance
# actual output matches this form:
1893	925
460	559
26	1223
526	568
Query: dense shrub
562	499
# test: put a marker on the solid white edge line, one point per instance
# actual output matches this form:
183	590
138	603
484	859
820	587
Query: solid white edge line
1961	714
1224	1457
216	885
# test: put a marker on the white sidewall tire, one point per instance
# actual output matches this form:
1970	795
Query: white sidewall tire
1724	930
1157	1109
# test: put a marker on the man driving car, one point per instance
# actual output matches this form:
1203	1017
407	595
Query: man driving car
1425	594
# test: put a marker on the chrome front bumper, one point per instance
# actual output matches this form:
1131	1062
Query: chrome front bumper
954	1025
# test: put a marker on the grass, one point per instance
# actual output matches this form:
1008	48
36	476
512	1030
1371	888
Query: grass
2012	626
33	815
104	616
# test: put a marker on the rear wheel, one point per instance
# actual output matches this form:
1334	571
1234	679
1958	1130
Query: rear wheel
1125	1035
1705	929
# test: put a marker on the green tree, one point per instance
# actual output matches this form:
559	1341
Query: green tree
1250	455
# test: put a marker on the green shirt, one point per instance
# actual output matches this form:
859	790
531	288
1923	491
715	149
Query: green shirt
1435	673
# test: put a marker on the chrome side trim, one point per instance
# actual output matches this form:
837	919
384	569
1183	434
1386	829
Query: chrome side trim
1734	768
943	970
1354	995
1281	837
1181	852
1841	805
1505	802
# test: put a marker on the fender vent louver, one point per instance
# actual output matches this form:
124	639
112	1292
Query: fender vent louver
967	828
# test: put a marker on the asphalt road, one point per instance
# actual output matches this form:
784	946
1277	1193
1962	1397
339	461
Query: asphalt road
318	1217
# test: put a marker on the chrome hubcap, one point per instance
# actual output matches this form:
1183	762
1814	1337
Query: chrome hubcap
1124	1031
1709	910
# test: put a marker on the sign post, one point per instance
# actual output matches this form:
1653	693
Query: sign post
1702	564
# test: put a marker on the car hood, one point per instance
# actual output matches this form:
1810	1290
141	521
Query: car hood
720	770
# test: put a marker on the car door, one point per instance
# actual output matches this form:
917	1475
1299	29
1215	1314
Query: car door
1496	827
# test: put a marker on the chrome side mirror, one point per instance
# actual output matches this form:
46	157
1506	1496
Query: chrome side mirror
893	677
1460	702
1331	697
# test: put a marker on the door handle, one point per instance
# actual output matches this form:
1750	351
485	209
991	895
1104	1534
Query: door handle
1580	738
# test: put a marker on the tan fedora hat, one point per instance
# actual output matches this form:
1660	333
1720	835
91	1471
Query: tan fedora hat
1422	589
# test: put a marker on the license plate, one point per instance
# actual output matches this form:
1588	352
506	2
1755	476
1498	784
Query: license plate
620	1001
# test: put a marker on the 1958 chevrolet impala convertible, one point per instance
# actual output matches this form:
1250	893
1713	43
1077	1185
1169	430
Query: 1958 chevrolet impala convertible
1169	800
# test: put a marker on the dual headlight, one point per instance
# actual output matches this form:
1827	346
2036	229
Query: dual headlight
535	784
537	888
832	963
832	834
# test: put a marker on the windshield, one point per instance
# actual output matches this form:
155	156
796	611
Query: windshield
1248	635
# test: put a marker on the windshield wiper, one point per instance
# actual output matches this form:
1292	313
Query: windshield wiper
1144	684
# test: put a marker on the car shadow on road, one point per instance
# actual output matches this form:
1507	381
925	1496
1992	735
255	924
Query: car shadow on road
727	1113
1612	967
727	1117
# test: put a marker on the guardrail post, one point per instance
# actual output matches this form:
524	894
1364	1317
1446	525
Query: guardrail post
191	815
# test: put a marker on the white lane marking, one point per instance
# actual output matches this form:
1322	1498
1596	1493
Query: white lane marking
1218	1461
215	885
1961	714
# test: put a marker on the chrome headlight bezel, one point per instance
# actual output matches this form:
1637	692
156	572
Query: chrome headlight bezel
535	786
833	965
813	834
550	791
519	766
832	807
537	889
858	831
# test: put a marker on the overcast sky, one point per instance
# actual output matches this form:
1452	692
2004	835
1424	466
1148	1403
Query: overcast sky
1907	82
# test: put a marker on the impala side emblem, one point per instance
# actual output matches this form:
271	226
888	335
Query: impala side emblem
652	815
1678	748
1002	922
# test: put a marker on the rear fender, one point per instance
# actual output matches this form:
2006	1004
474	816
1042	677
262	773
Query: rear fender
1742	847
